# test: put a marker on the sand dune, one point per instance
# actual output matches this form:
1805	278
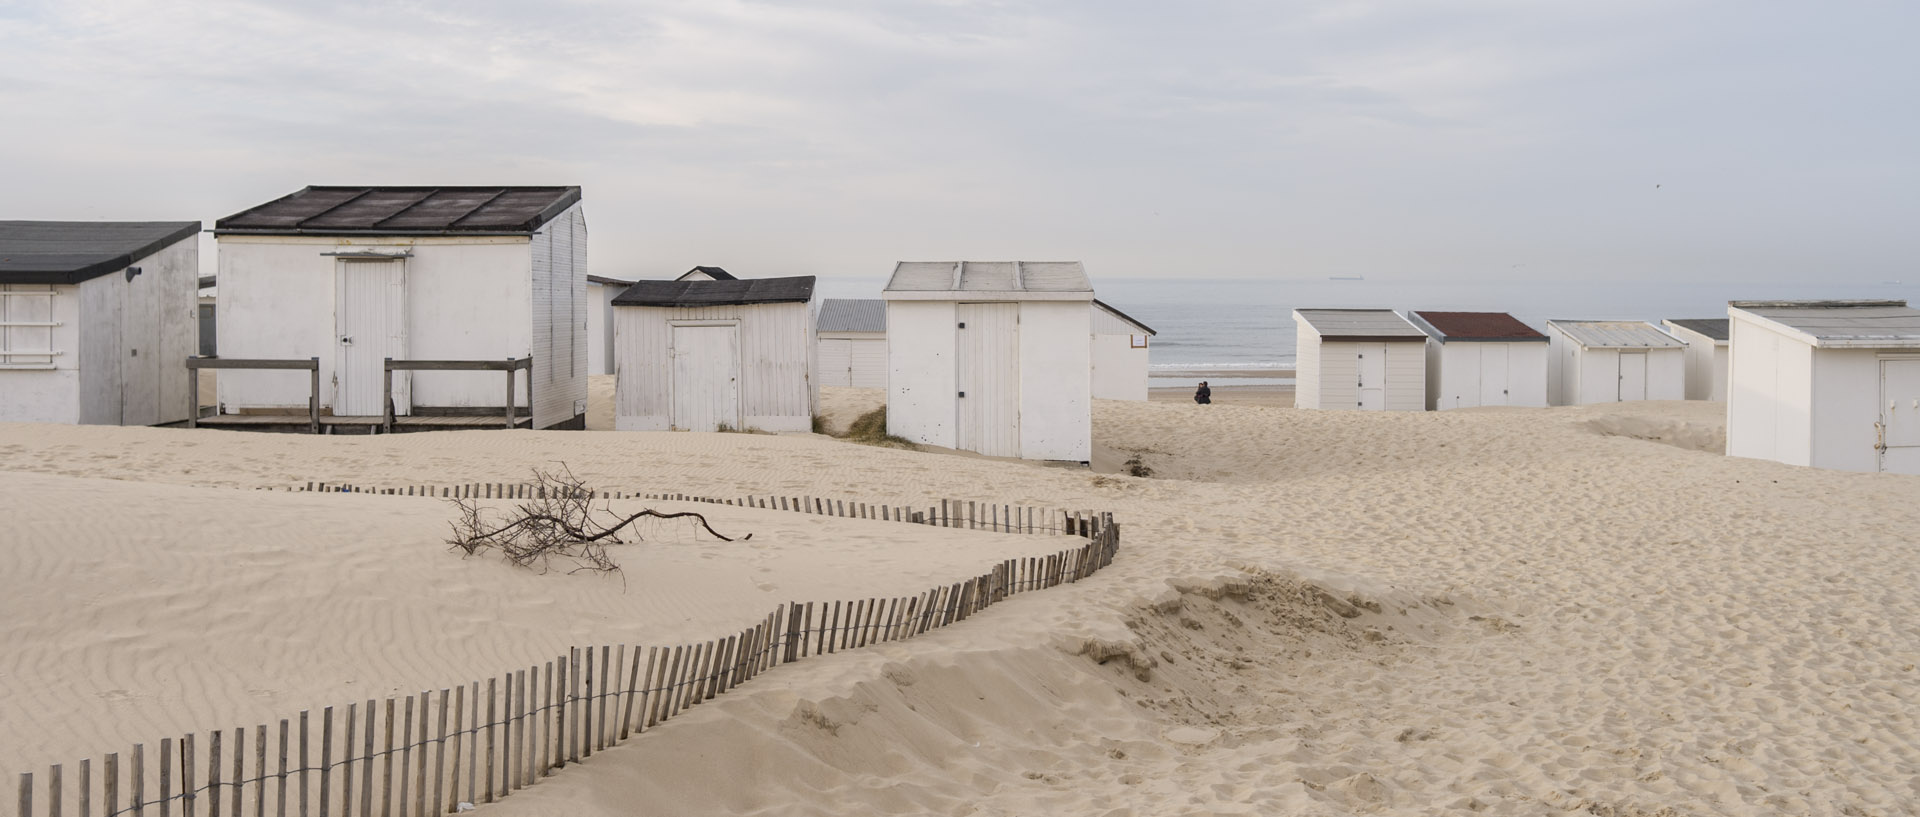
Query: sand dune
1503	611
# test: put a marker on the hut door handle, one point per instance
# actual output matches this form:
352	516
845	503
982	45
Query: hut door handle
346	339
963	394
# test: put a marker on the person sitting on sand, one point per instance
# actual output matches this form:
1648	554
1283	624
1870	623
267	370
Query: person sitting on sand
1204	395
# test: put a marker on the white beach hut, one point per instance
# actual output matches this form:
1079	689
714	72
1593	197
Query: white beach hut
853	343
700	355
1119	354
600	294
96	319
991	357
1369	359
1482	359
355	275
1613	362
1831	384
1706	340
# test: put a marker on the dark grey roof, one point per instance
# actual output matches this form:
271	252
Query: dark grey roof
715	273
852	315
601	279
404	211
798	289
68	252
1373	325
1099	304
1713	328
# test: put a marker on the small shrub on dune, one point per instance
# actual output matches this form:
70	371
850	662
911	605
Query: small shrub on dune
871	429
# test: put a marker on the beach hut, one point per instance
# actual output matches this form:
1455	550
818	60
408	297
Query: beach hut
95	319
991	357
1119	354
706	274
1831	384
1706	340
853	343
601	291
1613	362
711	355
357	275
1482	359
1369	359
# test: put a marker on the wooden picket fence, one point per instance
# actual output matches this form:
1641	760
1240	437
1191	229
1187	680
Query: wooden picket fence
466	746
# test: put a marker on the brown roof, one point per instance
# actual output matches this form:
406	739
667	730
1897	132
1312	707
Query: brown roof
1484	326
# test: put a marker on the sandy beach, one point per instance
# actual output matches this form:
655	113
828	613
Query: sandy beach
1503	611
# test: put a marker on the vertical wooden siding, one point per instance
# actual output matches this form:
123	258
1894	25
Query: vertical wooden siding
776	347
559	348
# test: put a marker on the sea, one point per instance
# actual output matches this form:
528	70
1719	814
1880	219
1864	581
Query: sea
1238	329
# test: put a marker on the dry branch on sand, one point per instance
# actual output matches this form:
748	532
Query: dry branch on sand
559	519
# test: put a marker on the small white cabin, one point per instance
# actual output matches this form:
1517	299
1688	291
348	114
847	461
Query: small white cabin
1119	354
1706	340
1367	359
1830	384
706	274
97	320
354	275
1482	359
991	357
853	343
703	355
600	294
1613	362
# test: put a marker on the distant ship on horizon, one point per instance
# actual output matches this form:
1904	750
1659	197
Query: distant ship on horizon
1346	278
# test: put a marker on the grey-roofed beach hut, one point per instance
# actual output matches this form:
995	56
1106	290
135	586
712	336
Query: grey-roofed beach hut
1613	362
991	357
1367	359
97	320
702	355
1119	354
1482	359
601	291
357	275
1830	384
853	343
1706	340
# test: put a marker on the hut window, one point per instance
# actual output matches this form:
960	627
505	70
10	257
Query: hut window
1137	341
26	327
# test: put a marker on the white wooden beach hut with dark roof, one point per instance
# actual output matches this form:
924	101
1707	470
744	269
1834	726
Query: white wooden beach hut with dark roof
1119	354
1482	359
853	343
1613	362
1830	384
354	275
96	320
601	291
1706	340
702	355
1368	359
991	357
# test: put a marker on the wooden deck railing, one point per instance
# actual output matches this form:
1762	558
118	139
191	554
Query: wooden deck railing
509	365
196	363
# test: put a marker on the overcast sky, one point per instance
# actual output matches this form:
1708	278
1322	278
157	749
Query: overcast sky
1712	141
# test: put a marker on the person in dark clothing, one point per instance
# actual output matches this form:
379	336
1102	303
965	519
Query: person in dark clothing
1204	395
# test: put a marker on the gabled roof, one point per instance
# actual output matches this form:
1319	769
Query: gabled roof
68	252
1476	327
1712	328
1367	325
851	315
1105	307
403	211
798	289
1841	324
712	273
1616	334
989	281
603	280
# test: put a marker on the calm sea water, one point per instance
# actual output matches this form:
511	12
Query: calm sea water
1242	324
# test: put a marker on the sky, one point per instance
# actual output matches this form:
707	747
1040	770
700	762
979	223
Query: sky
1411	140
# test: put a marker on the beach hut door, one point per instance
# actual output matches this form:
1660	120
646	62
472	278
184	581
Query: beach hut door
1493	374
1900	416
988	378
1373	376
836	362
706	378
369	316
1633	376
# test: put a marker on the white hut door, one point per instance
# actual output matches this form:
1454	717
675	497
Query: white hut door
1493	374
988	376
1372	367
836	362
706	378
369	317
1900	416
1633	376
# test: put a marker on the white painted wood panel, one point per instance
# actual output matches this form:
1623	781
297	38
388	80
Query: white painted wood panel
706	378
836	362
1306	381
921	372
987	360
776	386
1371	376
370	326
1900	415
868	363
1632	376
1492	374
